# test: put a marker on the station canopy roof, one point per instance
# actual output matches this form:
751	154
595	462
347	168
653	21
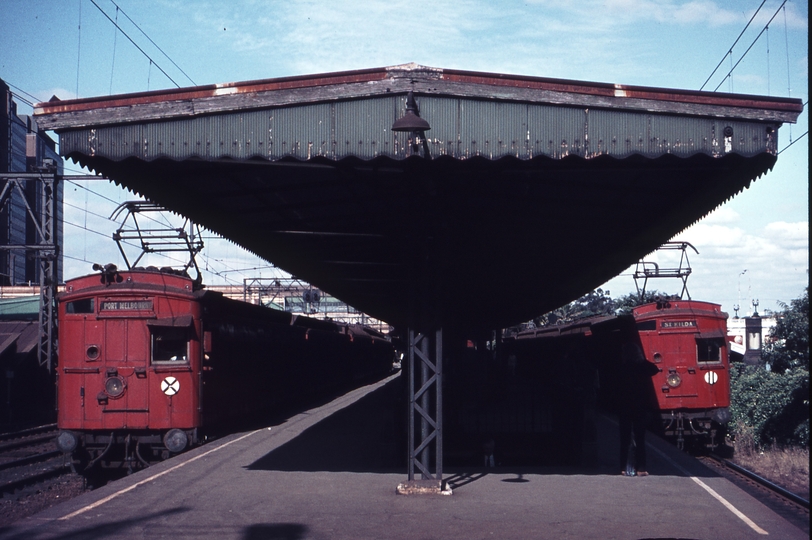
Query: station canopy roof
524	194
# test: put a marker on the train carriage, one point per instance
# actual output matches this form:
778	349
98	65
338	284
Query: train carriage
685	339
149	365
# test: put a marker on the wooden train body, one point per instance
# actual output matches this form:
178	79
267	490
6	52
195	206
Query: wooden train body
148	366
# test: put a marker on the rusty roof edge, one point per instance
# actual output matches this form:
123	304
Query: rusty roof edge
623	90
398	79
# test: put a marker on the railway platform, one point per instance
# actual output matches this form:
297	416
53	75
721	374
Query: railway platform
327	474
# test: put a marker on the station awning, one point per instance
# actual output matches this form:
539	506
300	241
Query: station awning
524	194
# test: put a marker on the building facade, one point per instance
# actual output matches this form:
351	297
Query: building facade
24	149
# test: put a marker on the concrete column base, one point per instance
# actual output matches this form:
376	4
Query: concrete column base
424	487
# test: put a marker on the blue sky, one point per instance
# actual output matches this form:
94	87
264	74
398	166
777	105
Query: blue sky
69	48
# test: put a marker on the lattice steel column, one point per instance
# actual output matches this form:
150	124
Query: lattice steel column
46	248
49	259
425	429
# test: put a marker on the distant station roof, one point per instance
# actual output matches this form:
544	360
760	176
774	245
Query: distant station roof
523	194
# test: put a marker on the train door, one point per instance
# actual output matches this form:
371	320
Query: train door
673	349
711	353
174	386
80	361
126	345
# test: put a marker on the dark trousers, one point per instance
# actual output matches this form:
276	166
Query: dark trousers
633	425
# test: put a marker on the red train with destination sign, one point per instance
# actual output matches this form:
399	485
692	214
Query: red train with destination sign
685	339
149	365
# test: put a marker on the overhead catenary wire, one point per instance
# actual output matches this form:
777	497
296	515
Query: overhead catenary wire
804	134
115	40
153	43
766	26
151	61
730	50
211	262
786	43
21	98
79	49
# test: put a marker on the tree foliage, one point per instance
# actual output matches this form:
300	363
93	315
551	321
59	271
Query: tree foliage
773	406
625	304
594	303
789	347
597	303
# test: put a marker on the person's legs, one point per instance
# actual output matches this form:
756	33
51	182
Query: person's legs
640	443
625	426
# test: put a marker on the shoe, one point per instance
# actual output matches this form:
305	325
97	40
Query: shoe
642	473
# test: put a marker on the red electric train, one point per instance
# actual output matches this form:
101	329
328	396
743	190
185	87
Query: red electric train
148	365
685	339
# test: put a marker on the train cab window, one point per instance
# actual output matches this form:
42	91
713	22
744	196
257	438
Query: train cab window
647	325
170	344
709	350
86	305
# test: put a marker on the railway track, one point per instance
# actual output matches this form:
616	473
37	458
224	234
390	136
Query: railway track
785	503
29	458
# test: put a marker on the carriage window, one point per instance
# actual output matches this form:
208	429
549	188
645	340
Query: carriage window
709	350
80	306
647	325
170	344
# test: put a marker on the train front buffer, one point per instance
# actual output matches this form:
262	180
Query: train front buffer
128	387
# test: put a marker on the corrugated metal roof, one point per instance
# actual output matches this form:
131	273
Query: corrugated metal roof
460	128
538	191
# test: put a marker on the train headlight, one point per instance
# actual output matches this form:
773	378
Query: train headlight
114	386
673	380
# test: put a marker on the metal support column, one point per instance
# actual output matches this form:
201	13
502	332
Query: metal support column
46	248
425	428
48	260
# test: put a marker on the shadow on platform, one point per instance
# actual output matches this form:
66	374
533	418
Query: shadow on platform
369	436
113	529
275	531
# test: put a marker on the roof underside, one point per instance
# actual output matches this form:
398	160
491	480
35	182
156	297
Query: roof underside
538	190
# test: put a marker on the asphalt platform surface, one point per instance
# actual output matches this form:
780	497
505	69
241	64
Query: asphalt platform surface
326	474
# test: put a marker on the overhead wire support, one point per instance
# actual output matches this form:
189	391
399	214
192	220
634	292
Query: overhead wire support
21	98
766	26
804	134
134	43
153	43
730	50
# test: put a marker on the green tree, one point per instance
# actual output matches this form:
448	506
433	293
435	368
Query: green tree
773	407
789	347
594	303
626	303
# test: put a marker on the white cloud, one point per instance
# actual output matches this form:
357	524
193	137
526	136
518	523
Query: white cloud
684	13
788	235
776	259
700	12
723	214
61	93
